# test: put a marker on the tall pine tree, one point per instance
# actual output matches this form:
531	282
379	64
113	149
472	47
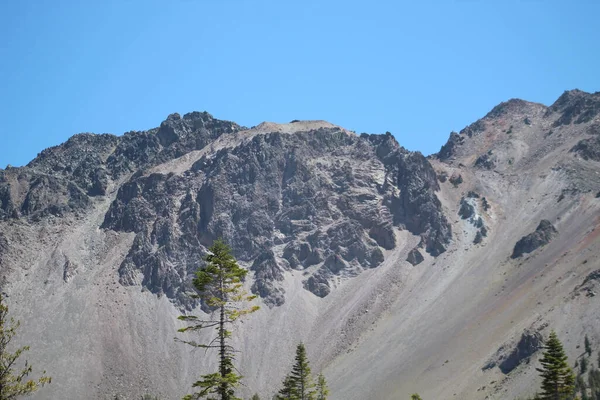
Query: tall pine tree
558	381
13	381
219	284
301	376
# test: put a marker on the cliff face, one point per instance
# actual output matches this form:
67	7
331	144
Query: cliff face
354	244
315	196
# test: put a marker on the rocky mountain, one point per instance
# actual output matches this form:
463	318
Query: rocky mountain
400	272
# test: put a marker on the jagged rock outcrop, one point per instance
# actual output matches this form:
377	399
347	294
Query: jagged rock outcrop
81	160
416	208
467	208
485	161
474	128
588	149
266	272
279	189
591	284
415	257
62	179
510	356
449	149
34	195
512	106
575	106
543	234
456	179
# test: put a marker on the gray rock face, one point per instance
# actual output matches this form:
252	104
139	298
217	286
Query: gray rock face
266	272
321	199
3	246
588	149
310	194
590	285
543	234
449	149
456	179
416	208
511	106
474	128
575	106
467	209
24	192
485	161
62	179
509	357
593	276
80	160
415	257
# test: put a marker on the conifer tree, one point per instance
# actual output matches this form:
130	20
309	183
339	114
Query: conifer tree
13	381
301	377
288	391
298	385
322	389
583	366
558	381
219	284
255	397
588	346
415	396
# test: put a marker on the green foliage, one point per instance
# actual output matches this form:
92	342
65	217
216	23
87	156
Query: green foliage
581	387
322	389
13	381
588	346
583	365
219	284
298	385
594	383
255	397
558	381
288	391
415	396
301	376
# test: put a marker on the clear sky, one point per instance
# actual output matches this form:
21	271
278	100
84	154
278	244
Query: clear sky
418	69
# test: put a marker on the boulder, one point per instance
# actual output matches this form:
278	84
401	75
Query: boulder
543	234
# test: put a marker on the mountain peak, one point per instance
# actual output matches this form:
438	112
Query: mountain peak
512	106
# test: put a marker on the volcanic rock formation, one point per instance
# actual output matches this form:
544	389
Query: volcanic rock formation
100	236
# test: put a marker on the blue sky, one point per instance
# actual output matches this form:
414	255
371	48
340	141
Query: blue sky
417	69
